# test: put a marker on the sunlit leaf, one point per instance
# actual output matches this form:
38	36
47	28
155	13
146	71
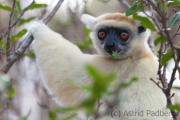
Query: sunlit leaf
12	93
98	89
6	8
1	42
52	115
127	84
167	57
30	55
85	45
174	19
174	107
159	40
176	2
145	22
114	55
166	7
18	5
4	81
4	47
70	116
23	21
36	6
18	35
86	88
86	31
134	8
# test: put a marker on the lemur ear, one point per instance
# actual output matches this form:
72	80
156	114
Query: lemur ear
141	29
88	20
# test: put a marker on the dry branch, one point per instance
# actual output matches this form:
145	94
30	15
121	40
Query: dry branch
163	31
125	4
9	30
27	41
15	23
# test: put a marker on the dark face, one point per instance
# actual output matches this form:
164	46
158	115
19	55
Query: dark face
116	39
113	39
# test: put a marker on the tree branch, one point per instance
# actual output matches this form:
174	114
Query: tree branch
27	41
22	13
125	4
163	31
9	30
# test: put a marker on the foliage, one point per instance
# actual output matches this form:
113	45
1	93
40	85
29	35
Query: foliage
174	19
20	21
114	56
12	93
97	90
4	81
134	8
145	22
162	27
159	40
85	45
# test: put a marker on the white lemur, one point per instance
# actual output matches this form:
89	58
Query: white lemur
59	61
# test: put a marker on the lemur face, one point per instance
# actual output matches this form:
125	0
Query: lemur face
114	39
116	32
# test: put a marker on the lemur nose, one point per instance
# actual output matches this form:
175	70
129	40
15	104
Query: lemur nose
110	45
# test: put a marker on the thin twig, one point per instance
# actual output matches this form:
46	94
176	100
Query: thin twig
9	30
125	4
157	83
15	23
165	33
27	41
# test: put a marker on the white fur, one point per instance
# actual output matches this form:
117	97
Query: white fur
88	20
61	62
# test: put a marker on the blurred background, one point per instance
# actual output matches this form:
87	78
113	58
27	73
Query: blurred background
21	91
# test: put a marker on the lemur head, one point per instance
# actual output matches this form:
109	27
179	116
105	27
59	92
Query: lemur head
116	32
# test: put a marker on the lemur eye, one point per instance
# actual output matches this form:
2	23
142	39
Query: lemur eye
124	35
101	35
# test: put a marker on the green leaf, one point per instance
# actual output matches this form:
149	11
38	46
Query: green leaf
12	93
86	31
70	116
4	81
167	57
126	84
1	42
18	35
159	40
114	55
18	5
52	115
145	22
176	2
6	8
166	7
85	45
174	19
134	8
174	107
97	89
30	55
37	6
23	21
